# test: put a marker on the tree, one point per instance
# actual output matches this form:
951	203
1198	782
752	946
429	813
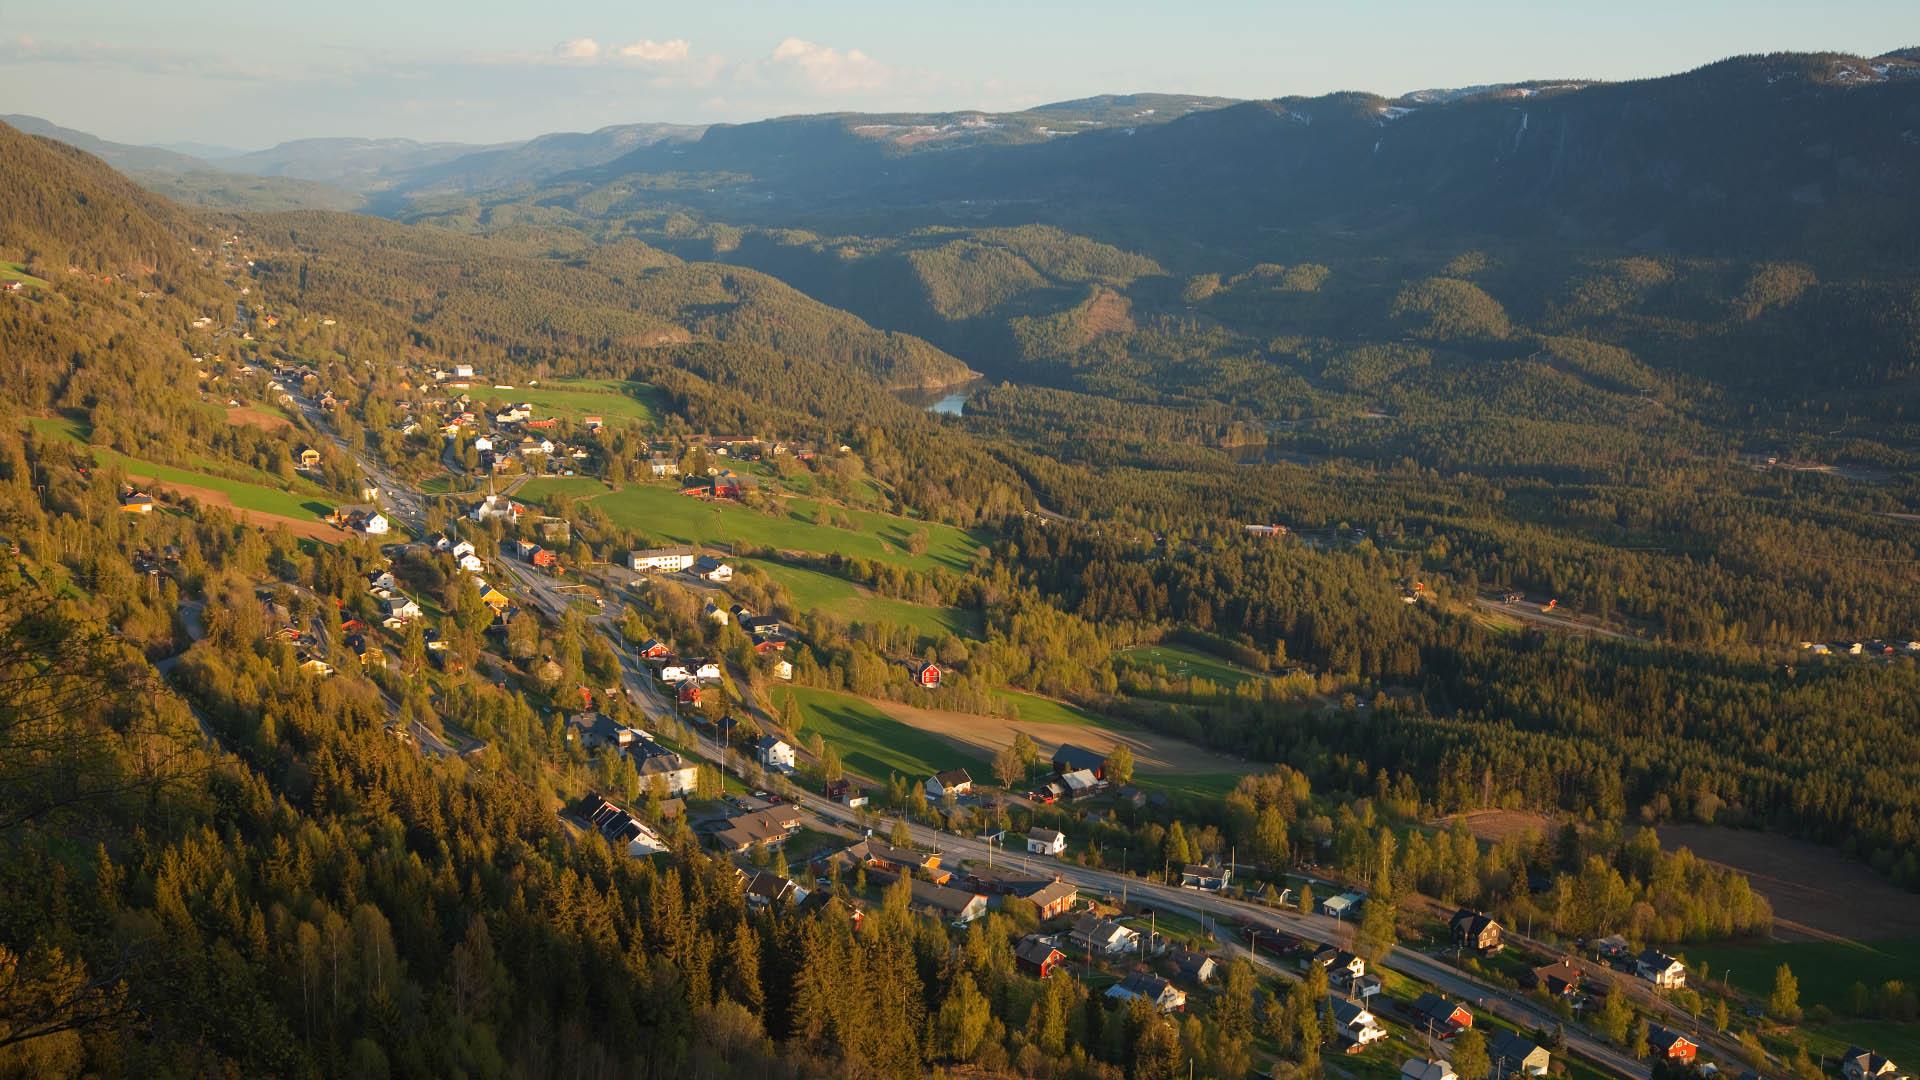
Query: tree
1306	899
1026	751
1376	934
1721	1017
1784	1002
1007	768
1637	1042
1120	766
1616	1017
1470	1061
901	836
961	1025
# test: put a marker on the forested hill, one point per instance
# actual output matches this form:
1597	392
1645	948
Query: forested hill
61	207
1748	155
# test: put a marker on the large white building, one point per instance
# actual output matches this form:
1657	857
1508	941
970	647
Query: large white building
660	560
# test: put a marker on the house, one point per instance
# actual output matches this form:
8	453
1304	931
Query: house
957	906
1660	969
1514	1054
367	519
674	673
773	753
1366	986
926	673
655	649
1425	1069
1476	931
1046	841
1194	965
309	457
1036	955
469	562
594	730
399	607
783	670
313	665
1559	979
544	558
1355	1028
650	759
1439	1017
770	827
665	560
1863	1064
955	781
715	613
1207	876
1054	898
660	467
1151	988
136	502
708	670
1341	906
1080	784
1613	948
1670	1044
712	569
1103	936
880	855
1071	758
690	694
496	508
766	889
619	827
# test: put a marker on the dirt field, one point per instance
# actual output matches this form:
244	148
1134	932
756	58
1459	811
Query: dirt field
1494	826
311	528
271	421
987	734
1816	892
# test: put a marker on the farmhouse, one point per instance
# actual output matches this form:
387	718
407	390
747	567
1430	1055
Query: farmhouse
1080	783
1670	1044
1514	1054
1476	931
953	780
1660	969
1046	841
1151	988
1036	955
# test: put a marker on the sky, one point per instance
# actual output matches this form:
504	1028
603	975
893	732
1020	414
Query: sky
252	74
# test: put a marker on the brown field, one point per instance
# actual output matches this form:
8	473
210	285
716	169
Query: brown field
1816	892
309	528
1107	312
1151	753
245	414
1493	826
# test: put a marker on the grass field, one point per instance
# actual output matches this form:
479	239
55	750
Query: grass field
19	272
814	590
661	511
612	400
303	505
546	490
1181	661
1033	709
1826	969
873	743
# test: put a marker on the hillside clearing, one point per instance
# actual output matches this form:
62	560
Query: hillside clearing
1153	755
817	591
1816	892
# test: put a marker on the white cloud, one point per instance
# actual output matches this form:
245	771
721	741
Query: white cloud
825	68
577	49
649	51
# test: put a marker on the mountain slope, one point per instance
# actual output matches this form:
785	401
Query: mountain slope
61	207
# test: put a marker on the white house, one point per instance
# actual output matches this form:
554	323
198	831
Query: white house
1356	1026
1425	1069
675	673
1660	969
783	670
716	613
483	443
471	563
773	753
461	547
399	607
1161	994
375	524
661	560
463	371
1103	936
1046	841
953	780
708	669
713	570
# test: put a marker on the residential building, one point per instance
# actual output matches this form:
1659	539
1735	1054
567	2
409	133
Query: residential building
1080	783
1104	936
1354	1025
926	673
773	753
496	508
1438	1017
1425	1069
712	569
1054	898
1207	876
1476	931
594	730
1863	1064
398	606
1037	955
770	827
1341	906
1667	1043
1145	985
957	906
619	827
665	560
1559	979
1660	969
1514	1054
953	780
1046	842
650	759
767	889
1194	965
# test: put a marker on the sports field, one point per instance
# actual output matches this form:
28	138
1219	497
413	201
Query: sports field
659	510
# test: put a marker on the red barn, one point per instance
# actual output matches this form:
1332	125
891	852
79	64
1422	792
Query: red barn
926	674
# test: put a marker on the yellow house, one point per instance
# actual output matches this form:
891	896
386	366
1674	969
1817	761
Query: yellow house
309	457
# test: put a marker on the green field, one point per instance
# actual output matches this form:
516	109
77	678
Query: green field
306	505
661	511
1826	969
612	400
814	590
873	743
546	490
15	270
1193	785
1181	661
1032	708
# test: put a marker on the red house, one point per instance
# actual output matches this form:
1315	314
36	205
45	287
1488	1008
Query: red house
655	649
544	558
1037	956
926	674
690	694
1670	1044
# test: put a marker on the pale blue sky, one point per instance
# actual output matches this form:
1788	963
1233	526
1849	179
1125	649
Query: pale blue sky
252	74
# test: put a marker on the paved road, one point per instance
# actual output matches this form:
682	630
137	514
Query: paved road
543	594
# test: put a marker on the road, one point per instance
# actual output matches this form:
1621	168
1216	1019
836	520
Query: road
542	592
1528	611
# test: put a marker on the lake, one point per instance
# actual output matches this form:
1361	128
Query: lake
941	400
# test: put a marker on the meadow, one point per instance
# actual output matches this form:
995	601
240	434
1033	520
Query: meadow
304	505
1182	661
817	591
613	400
875	744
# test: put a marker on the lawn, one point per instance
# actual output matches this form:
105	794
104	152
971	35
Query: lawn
1210	786
610	399
302	505
1034	709
1181	661
548	490
871	742
815	590
661	511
